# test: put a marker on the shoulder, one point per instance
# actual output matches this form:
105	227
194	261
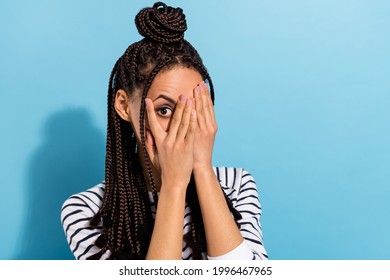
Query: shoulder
234	181
86	203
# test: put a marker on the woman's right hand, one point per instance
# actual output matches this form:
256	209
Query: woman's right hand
174	148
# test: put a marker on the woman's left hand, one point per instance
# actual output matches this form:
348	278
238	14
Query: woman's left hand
222	233
207	128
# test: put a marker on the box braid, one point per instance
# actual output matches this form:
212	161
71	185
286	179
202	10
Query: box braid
125	215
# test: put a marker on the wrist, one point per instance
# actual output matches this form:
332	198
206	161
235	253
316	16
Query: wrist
173	192
173	186
205	169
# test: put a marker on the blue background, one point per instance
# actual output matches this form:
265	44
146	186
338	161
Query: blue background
302	101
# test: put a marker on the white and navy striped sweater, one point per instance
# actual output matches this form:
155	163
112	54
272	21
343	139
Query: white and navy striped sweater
237	183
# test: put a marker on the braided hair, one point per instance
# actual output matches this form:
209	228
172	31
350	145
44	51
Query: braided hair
125	217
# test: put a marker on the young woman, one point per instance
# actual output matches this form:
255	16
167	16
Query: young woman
162	198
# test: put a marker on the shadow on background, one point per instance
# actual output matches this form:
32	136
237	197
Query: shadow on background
70	160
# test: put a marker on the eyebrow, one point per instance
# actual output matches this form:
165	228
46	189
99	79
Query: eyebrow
169	99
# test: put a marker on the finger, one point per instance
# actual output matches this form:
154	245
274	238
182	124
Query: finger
154	125
207	104
185	120
199	107
210	105
150	144
192	127
176	118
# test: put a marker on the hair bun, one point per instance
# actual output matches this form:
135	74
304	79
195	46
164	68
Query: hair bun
161	23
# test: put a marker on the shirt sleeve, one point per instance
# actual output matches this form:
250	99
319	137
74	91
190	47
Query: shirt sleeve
242	251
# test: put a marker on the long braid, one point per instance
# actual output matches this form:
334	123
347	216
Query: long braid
125	216
152	75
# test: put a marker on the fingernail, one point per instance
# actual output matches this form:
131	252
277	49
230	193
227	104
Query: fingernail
182	98
189	102
146	102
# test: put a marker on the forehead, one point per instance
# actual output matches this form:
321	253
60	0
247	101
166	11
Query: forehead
174	82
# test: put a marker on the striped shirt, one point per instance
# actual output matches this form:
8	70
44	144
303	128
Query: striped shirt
237	183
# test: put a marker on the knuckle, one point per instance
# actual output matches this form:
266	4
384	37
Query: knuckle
175	119
183	124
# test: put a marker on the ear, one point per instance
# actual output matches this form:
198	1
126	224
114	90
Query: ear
122	105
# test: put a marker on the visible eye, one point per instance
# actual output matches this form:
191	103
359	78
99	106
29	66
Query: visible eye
165	111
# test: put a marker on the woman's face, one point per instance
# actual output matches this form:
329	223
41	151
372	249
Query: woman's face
164	93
